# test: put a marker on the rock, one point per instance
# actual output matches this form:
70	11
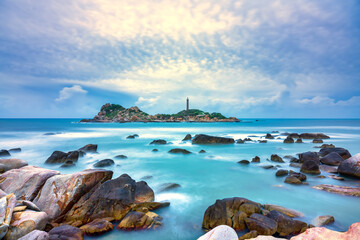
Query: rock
317	233
12	163
147	177
256	159
202	151
262	141
61	157
261	224
155	150
333	159
285	225
187	137
97	227
269	136
309	156
310	167
292	180
150	206
104	163
317	141
267	166
143	193
313	136
4	153
140	220
7	205
114	198
289	140
66	232
168	187
243	162
300	176
299	140
341	151
350	166
89	148
25	222
295	165
36	235
336	177
14	150
229	211
289	212
327	146
19	208
262	237
158	142
25	182
276	158
329	169
121	157
240	141
179	150
221	232
251	234
281	172
247	139
323	220
206	139
61	192
294	160
68	163
30	205
343	190
132	136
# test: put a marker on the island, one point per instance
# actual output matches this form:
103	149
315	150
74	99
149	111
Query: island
117	113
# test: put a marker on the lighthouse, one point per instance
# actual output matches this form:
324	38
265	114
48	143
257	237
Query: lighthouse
187	104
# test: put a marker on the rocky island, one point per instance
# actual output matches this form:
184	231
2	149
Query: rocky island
117	113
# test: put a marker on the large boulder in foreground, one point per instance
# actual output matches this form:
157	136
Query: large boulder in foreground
11	163
206	139
221	232
7	205
231	212
25	222
345	154
60	192
350	166
317	233
25	182
313	136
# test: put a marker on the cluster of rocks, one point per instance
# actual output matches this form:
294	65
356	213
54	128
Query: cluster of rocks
36	202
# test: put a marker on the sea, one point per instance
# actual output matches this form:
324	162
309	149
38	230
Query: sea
203	178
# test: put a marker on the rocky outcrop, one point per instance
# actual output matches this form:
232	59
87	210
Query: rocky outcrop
221	232
12	163
206	139
97	227
332	159
341	151
343	190
140	220
179	150
104	163
25	182
158	142
61	192
187	137
66	232
350	166
263	225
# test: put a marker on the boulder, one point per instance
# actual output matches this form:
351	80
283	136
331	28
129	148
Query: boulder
269	136
36	235
350	166
7	205
289	140
300	176
25	182
317	141
61	192
143	193
158	142
323	220
140	220
104	163
12	163
96	227
187	137
168	187
121	156
285	225
299	140
276	158
249	235
317	233
25	222
343	190
281	172
66	232
4	153
261	224
309	156
313	136
333	159
179	150
341	151
62	157
327	146
229	212
243	162
310	167
256	159
289	212
206	139
89	148
221	232
292	180
329	169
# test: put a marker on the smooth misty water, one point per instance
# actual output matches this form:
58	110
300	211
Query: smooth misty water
203	177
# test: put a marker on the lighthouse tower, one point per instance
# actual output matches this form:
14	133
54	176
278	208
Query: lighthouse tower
187	104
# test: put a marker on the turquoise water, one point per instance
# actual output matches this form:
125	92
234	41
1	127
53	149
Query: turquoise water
203	177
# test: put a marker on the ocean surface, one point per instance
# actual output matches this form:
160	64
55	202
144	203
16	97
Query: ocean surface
203	177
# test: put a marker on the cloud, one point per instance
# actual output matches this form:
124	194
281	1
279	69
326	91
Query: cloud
68	92
319	100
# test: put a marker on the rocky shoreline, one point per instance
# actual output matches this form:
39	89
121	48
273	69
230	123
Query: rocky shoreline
39	203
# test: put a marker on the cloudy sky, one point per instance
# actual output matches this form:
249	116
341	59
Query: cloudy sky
245	58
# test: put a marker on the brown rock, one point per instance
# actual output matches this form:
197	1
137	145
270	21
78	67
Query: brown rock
289	140
350	166
313	136
276	158
317	141
206	139
323	220
333	159
89	148
309	156
292	180
256	159
289	212
140	220
96	227
12	163
310	167
187	137
341	151
251	234
285	225
66	232
261	224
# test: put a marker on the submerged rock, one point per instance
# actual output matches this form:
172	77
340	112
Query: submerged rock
158	142
313	136
202	151
221	232
155	150
179	150
323	220
333	159
68	163
104	163
132	136
341	151
350	166
327	146
14	150
343	190
206	139
262	141
12	163
187	137
317	141
289	140
121	156
292	180
168	187
276	158
243	162
240	141
89	148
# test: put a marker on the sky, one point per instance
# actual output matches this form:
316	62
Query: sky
246	58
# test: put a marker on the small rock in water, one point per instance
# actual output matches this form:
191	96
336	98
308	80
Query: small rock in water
323	220
267	166
336	177
243	162
89	148
327	146
289	140
13	150
256	159
299	140
187	137
104	163
179	150
282	172
240	141
269	136
202	151
262	141
158	142
168	186
4	153
292	180
276	158
68	163
132	136
147	177
295	165
155	150
317	141
120	156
